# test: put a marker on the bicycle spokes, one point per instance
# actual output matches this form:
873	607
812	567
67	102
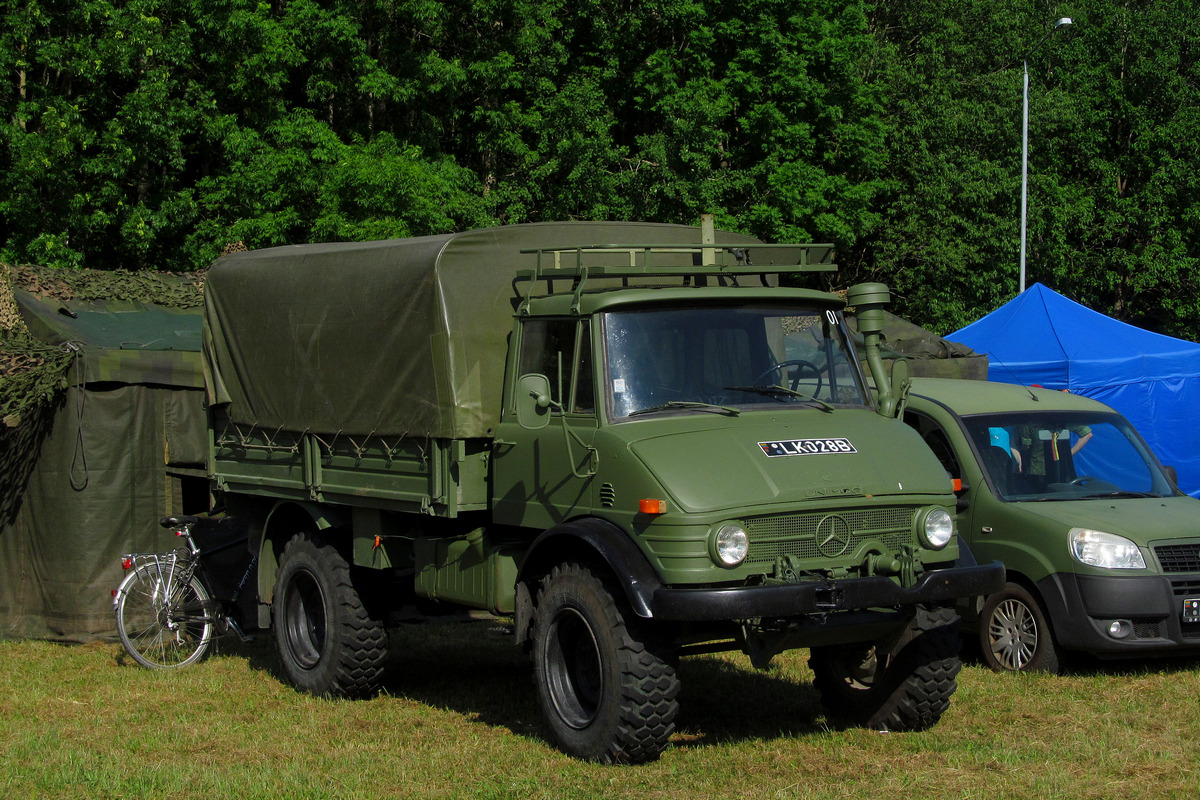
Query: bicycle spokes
164	614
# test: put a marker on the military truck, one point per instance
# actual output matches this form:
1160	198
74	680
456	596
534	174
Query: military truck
626	438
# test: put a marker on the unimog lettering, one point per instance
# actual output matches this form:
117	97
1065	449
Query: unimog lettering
563	425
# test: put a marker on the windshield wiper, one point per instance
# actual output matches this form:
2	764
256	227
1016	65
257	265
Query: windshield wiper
1066	498
681	405
772	391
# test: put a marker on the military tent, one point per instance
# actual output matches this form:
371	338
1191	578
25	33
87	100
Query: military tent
1041	337
119	442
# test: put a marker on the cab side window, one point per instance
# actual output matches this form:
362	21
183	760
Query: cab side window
584	401
549	347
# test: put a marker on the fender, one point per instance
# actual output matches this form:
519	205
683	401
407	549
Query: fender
284	520
589	538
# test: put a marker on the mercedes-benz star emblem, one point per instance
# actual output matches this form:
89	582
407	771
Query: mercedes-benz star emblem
833	536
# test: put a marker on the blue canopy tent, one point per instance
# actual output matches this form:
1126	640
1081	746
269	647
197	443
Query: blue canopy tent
1153	380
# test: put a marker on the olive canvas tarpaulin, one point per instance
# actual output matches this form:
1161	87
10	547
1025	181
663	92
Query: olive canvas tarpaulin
405	337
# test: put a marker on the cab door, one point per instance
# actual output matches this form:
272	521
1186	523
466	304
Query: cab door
542	458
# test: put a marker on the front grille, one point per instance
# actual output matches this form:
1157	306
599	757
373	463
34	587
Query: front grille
1147	630
1179	557
840	532
1185	588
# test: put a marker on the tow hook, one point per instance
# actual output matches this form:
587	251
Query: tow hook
828	598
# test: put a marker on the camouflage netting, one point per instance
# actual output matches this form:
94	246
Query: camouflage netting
171	289
33	372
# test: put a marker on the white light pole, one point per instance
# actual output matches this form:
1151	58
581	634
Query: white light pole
1061	22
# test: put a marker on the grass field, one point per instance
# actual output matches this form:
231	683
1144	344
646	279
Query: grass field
458	719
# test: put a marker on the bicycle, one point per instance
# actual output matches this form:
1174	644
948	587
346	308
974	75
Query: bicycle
166	614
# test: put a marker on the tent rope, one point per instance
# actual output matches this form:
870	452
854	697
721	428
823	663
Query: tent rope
79	456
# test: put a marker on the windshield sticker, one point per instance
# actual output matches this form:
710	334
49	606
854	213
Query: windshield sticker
807	447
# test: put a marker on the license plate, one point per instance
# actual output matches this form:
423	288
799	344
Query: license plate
1191	609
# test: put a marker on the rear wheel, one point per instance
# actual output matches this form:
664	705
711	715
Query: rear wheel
1014	635
328	643
903	688
163	624
607	692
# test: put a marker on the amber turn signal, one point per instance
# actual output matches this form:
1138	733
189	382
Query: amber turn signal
651	506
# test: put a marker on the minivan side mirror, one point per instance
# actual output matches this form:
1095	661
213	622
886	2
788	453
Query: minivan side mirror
1172	475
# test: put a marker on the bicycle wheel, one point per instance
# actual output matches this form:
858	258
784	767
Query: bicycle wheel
162	632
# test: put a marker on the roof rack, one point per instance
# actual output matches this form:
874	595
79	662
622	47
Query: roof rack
638	261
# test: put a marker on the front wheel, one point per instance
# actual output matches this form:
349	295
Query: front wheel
1014	635
328	644
163	624
901	688
607	693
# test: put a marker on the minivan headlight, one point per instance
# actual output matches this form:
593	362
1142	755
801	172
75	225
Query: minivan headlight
935	527
1107	550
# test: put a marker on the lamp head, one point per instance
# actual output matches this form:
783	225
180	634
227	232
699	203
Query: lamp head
1062	22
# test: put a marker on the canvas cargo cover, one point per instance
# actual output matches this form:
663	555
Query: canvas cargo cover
397	337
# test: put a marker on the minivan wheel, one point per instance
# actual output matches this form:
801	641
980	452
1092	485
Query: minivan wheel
1014	635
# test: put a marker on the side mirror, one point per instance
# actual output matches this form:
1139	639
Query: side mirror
533	401
1172	475
901	384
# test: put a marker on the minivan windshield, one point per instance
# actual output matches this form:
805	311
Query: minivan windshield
1065	456
727	359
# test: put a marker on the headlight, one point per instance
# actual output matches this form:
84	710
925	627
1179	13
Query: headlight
1100	549
730	545
935	527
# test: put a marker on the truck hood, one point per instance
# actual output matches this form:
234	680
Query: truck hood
1140	519
714	462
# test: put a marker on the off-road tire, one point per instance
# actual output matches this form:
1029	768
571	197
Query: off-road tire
608	692
1014	635
328	644
905	690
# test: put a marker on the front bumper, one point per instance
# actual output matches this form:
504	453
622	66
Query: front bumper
1082	607
849	594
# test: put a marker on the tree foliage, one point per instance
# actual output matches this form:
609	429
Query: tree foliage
151	134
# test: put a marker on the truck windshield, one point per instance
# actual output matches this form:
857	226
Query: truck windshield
1065	456
728	359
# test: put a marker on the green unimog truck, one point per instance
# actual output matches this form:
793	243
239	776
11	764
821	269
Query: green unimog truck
626	438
